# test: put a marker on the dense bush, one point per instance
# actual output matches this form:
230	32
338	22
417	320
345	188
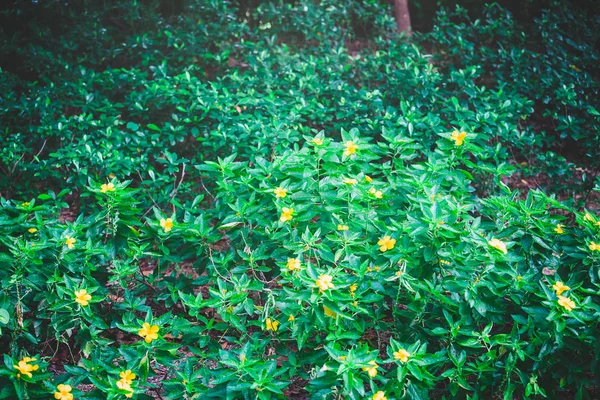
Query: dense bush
286	200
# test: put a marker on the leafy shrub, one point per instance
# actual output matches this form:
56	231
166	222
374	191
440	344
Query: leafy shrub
286	201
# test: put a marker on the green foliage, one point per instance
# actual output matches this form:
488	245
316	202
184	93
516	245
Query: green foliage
284	200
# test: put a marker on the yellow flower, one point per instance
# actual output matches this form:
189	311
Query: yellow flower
32	230
368	179
372	370
588	217
350	181
286	214
498	244
401	355
82	297
127	376
111	175
353	288
458	137
242	358
377	193
166	224
379	396
386	243
325	282
25	367
63	392
107	187
351	148
565	302
341	227
291	318
125	385
70	242
594	246
25	204
293	264
272	324
329	312
148	332
280	192
559	229
560	287
317	141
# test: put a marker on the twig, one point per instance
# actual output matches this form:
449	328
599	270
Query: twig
176	187
146	282
42	149
206	190
18	161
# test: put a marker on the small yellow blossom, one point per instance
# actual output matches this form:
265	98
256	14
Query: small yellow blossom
32	230
317	141
291	318
126	386
242	358
342	358
372	370
368	179
25	204
559	229
386	243
458	137
127	376
107	187
286	214
566	303
351	148
293	264
380	395
350	181
341	227
594	246
560	287
377	193
25	367
166	224
70	242
353	288
111	175
588	217
325	282
82	297
498	244
63	392
149	333
272	324
329	312
280	192
401	355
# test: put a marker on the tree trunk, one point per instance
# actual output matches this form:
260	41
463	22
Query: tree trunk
403	17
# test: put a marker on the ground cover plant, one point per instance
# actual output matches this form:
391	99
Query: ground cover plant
287	199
